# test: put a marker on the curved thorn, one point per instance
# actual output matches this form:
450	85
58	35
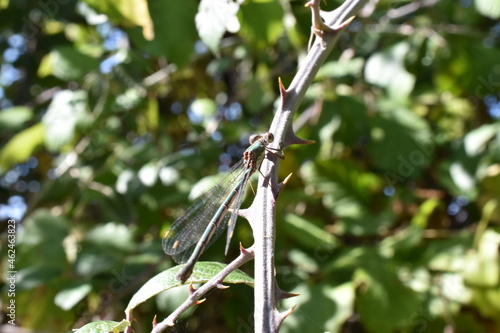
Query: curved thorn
343	24
246	251
287	312
285	181
279	187
281	295
285	295
282	315
198	302
295	140
282	88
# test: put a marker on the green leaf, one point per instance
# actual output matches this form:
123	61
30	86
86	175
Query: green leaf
401	243
463	179
346	188
308	234
487	301
19	148
105	246
38	274
400	143
348	192
384	303
261	21
422	218
337	69
214	18
148	120
260	93
322	306
342	123
174	31
66	111
453	289
67	63
365	223
202	272
114	235
42	237
129	99
304	263
127	13
386	69
104	326
448	255
203	110
488	8
67	298
482	266
490	192
476	141
13	118
466	69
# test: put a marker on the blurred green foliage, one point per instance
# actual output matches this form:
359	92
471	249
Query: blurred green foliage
112	111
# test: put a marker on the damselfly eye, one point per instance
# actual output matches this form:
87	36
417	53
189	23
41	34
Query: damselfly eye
253	138
269	137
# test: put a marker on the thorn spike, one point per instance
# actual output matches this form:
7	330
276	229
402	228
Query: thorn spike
281	87
191	288
246	251
285	181
298	141
289	311
280	186
198	302
282	315
344	24
289	295
281	295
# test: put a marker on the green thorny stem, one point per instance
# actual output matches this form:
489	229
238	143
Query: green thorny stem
262	214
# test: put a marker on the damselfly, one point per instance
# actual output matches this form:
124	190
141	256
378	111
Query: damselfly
208	217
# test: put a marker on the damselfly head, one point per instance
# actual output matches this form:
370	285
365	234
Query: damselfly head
267	138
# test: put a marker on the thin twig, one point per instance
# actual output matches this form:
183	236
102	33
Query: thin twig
215	282
409	8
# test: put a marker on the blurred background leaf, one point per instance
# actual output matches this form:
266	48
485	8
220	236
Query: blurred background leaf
115	115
